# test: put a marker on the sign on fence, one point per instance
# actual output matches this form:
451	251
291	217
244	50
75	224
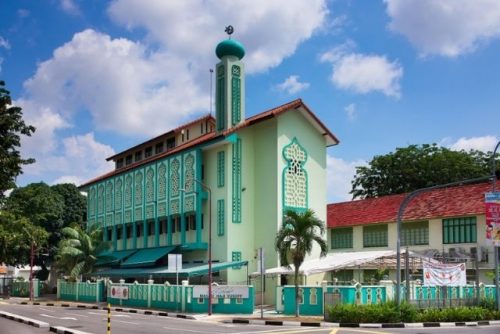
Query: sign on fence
444	274
119	292
221	291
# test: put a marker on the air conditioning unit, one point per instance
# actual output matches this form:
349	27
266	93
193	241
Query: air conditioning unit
483	257
479	253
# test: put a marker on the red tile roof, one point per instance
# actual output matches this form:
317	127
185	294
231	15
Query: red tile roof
293	105
447	202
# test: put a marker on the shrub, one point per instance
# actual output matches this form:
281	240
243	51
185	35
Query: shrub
454	314
386	312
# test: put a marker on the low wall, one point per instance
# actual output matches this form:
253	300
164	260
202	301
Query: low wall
180	298
22	288
81	291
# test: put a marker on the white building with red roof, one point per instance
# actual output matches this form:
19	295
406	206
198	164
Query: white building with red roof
447	224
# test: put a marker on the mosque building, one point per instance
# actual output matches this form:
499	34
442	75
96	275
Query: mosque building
222	181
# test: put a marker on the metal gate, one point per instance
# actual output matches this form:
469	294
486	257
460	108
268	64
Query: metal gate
330	299
6	286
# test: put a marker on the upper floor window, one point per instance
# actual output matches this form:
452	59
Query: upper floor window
138	155
459	230
375	236
148	152
119	163
187	134
159	148
415	233
170	143
341	237
128	159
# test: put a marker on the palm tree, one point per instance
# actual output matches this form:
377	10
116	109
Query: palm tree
295	239
79	250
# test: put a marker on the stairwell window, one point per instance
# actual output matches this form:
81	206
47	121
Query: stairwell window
375	236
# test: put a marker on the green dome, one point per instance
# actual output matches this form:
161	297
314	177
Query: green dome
230	47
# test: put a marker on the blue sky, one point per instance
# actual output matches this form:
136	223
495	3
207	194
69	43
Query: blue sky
96	77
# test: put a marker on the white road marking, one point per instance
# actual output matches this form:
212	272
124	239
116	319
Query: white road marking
61	318
47	309
127	322
78	315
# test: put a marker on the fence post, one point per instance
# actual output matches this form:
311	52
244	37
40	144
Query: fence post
76	290
58	289
150	285
122	281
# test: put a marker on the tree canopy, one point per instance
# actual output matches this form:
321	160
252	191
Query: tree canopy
415	167
16	236
12	127
49	207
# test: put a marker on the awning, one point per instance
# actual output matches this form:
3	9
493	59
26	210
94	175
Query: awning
189	270
342	260
110	258
146	257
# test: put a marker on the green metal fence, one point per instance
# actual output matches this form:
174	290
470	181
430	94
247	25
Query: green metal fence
22	288
81	291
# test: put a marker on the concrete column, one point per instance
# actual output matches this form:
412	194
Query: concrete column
389	289
150	284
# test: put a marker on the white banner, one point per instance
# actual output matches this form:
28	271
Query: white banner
221	291
119	292
444	274
174	262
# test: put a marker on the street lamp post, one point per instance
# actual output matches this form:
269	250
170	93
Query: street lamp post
32	259
495	248
203	185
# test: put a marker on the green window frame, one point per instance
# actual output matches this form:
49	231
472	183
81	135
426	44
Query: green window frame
375	236
459	230
220	217
236	256
221	162
415	233
341	238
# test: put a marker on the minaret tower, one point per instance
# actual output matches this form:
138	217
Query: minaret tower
229	83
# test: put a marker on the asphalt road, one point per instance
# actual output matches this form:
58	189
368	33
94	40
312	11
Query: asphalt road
94	321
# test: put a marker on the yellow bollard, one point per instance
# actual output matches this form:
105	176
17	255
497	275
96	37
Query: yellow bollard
109	319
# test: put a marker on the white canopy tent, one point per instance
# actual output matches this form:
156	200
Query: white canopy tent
343	260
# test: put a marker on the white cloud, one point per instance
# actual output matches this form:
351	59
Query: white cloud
340	173
75	159
22	13
484	143
269	30
446	27
351	111
4	43
292	85
124	87
363	73
70	7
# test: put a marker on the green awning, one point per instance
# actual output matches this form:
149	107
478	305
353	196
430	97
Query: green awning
109	258
146	257
218	266
189	270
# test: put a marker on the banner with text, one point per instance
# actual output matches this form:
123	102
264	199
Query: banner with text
492	203
119	292
444	274
221	291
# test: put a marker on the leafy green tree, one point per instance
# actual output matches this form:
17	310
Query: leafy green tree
295	240
415	167
79	250
12	127
75	204
16	236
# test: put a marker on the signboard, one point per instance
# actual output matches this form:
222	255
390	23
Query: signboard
174	262
444	274
492	203
221	291
119	292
